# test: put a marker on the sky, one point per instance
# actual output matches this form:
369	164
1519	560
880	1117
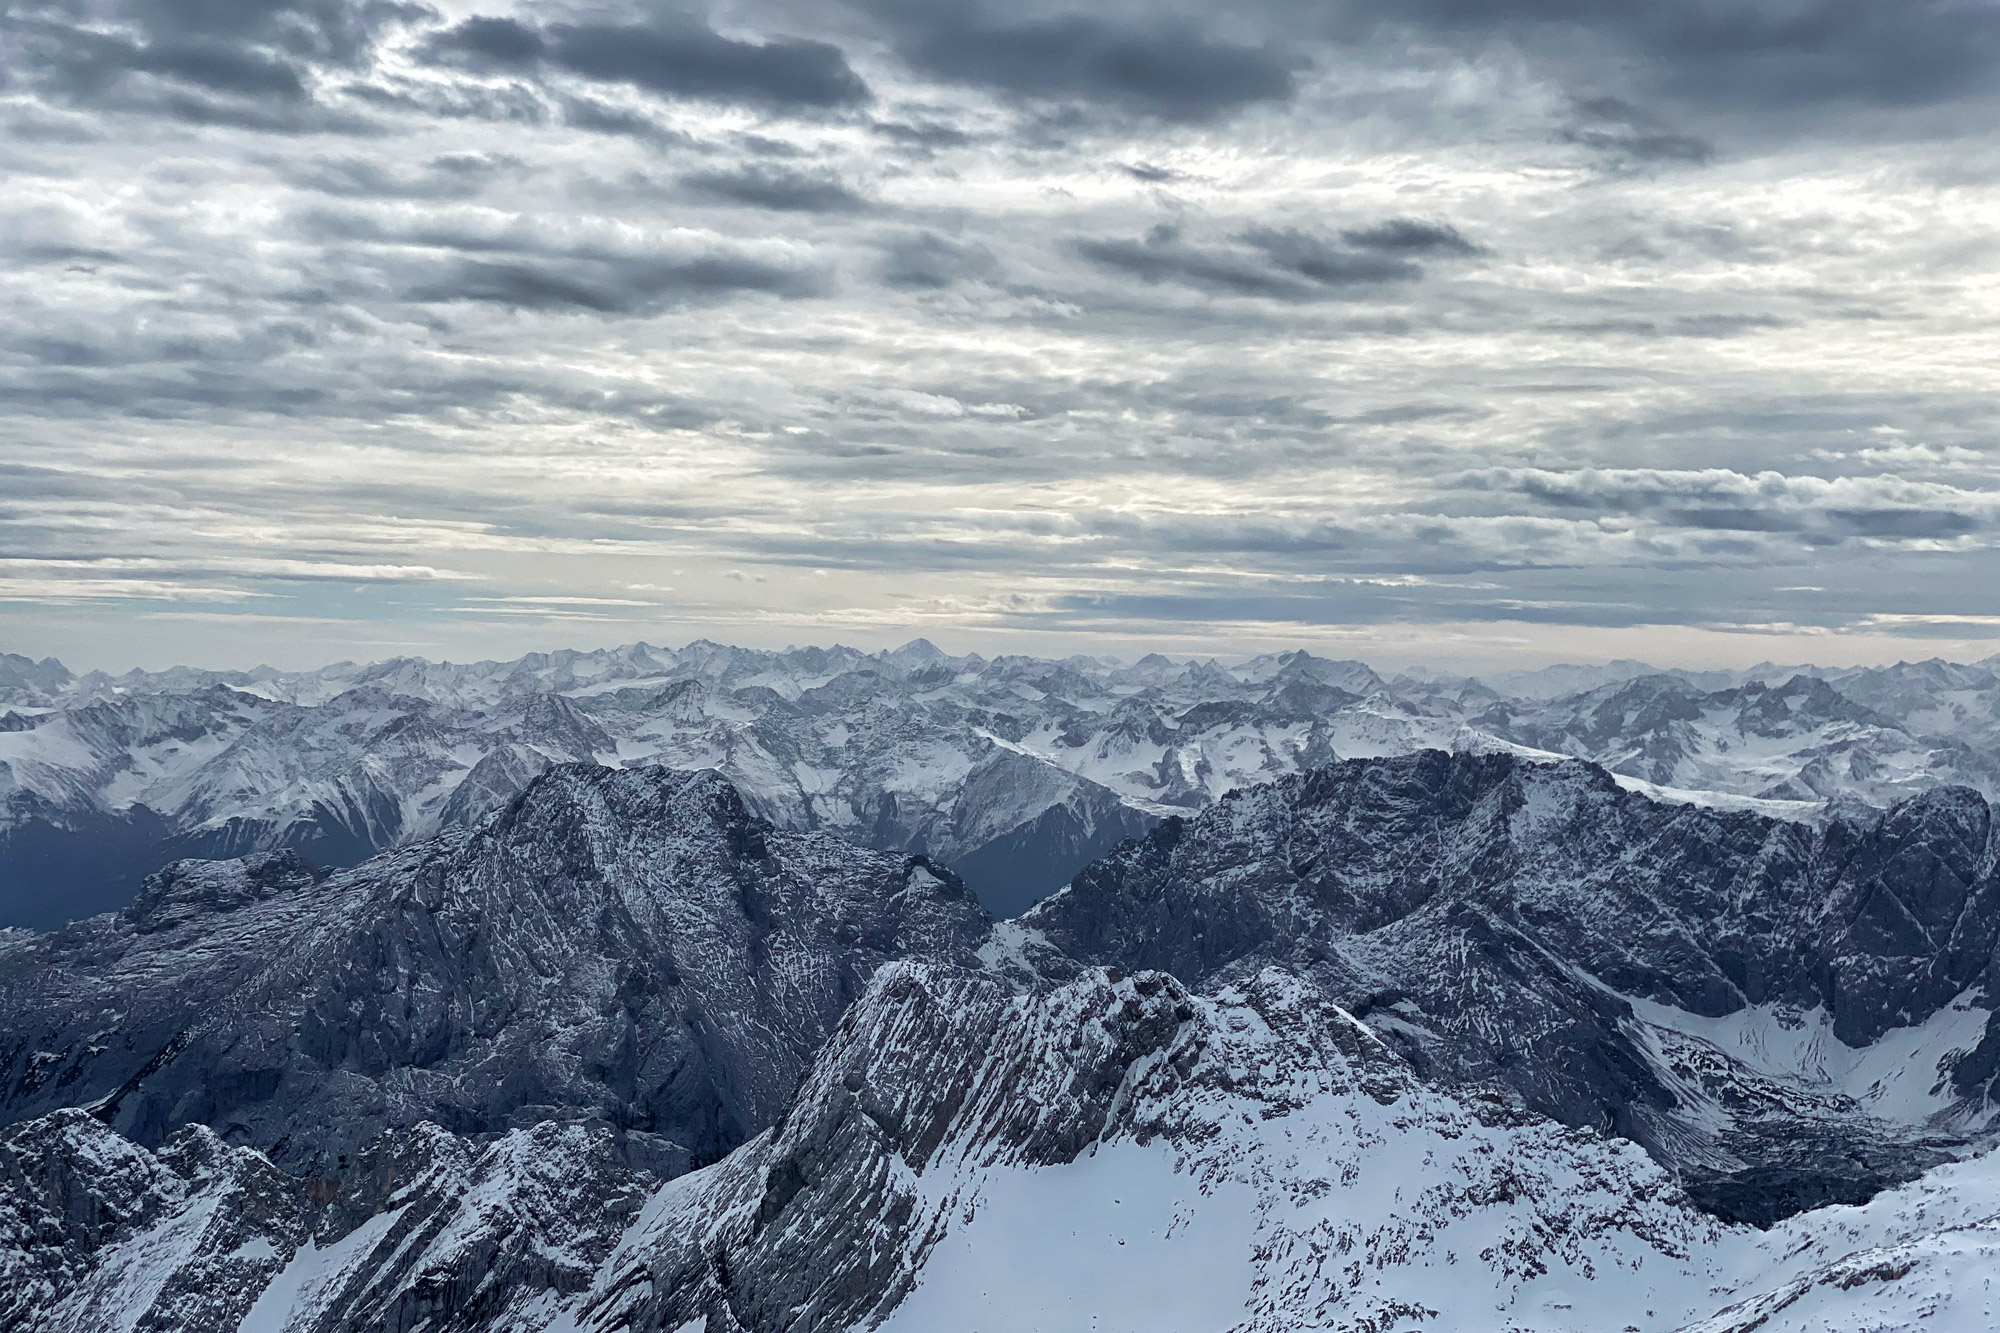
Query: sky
1467	333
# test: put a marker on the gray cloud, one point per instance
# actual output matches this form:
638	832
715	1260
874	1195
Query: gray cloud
1818	510
1314	258
514	103
675	57
1681	326
1770	57
485	42
218	68
449	176
511	263
607	286
775	187
1754	53
927	135
208	62
1910	523
1283	264
1411	236
599	117
928	261
1631	135
332	31
1156	66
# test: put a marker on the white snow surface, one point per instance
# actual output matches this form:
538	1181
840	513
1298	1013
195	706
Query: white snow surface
1324	1208
1922	1257
303	1289
1123	1242
1904	1077
1118	1242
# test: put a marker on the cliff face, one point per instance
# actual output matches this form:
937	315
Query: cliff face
428	1231
1535	928
624	947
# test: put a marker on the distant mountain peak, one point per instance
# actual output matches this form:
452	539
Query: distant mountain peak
921	651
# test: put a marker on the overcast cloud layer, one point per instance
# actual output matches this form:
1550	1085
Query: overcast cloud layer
1459	331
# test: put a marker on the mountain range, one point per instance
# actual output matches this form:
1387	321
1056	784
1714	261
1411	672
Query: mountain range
1014	771
1452	1039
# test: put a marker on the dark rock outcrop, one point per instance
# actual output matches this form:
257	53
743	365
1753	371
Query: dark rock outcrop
624	947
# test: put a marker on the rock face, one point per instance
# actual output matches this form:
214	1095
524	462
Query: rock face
428	1231
1022	826
1538	929
631	948
95	1229
1229	1135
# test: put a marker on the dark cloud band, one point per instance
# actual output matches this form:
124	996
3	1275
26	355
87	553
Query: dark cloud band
675	58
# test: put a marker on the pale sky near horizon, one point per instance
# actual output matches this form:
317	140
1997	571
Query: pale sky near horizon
1466	333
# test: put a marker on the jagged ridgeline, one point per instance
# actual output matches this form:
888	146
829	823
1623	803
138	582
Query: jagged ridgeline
1014	771
1438	1041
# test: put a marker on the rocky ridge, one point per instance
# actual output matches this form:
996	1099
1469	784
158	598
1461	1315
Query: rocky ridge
1539	930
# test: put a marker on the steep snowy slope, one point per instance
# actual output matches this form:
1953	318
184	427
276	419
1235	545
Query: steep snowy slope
1122	1155
1113	1154
627	947
1537	929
